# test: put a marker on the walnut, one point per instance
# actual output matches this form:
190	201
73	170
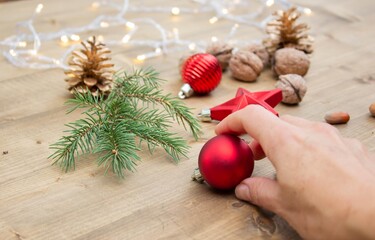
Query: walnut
245	66
290	61
260	51
222	51
293	87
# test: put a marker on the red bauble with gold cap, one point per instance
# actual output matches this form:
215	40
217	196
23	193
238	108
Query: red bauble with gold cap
201	74
225	161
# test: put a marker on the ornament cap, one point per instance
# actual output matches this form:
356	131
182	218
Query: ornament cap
197	176
185	91
205	115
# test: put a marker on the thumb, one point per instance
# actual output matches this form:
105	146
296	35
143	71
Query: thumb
260	191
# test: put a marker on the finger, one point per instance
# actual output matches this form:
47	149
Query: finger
260	191
257	150
259	123
254	120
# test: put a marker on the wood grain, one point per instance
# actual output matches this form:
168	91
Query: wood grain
159	201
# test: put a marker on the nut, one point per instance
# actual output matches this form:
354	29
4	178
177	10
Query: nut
245	66
372	109
260	51
222	51
290	61
293	87
337	117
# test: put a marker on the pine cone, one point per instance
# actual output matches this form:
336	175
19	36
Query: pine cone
90	70
284	32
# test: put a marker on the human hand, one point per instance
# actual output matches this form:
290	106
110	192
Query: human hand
325	186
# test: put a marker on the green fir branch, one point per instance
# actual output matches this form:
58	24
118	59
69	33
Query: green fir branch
118	149
173	145
82	134
173	106
114	127
149	117
147	77
83	100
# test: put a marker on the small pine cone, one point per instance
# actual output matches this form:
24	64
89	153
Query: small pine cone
222	51
290	61
293	87
283	31
89	69
245	66
260	51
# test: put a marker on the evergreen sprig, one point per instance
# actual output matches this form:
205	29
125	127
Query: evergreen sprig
114	127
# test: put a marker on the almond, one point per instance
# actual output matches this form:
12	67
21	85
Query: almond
372	109
337	117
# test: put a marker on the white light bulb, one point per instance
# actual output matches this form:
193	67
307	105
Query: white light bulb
192	46
39	8
125	39
12	52
307	11
269	3
141	57
104	24
64	39
130	25
22	44
213	20
214	39
75	37
175	11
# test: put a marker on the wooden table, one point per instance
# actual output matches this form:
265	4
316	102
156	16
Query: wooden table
159	201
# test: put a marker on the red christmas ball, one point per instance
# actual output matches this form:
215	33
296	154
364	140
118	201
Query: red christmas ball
225	161
201	73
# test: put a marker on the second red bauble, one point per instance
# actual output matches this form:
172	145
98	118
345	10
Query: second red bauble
225	161
201	74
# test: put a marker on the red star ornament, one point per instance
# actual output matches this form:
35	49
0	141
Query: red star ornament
267	99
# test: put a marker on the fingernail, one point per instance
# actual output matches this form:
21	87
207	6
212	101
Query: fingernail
242	192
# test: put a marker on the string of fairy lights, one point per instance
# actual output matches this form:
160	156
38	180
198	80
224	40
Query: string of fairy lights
24	49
